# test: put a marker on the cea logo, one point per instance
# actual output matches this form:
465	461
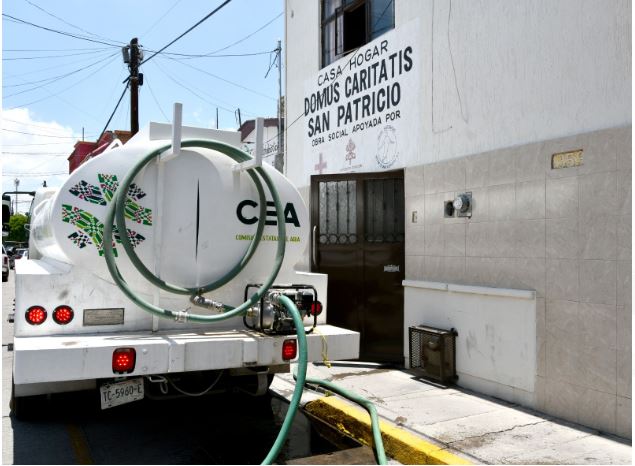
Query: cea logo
247	214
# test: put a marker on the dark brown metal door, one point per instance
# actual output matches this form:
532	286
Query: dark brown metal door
358	240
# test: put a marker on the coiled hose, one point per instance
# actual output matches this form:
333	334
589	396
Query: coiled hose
116	213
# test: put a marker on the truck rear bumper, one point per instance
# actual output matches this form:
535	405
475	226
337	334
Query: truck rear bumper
52	359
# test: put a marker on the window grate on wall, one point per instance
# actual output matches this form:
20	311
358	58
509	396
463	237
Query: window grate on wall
384	211
338	212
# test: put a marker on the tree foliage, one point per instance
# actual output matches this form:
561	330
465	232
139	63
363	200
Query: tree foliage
16	228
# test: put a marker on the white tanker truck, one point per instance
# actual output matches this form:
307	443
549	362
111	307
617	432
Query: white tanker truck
180	303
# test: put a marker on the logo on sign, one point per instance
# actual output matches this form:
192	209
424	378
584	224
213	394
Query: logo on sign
350	152
387	153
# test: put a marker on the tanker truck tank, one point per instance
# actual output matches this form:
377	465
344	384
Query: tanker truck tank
151	263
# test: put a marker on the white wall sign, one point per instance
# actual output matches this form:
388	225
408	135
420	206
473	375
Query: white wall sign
361	113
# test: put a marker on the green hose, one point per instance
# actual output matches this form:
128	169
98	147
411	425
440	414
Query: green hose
299	386
117	209
370	407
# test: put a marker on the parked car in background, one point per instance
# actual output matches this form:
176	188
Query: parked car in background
20	253
5	265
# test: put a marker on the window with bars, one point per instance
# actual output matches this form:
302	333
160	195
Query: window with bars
349	24
384	211
338	212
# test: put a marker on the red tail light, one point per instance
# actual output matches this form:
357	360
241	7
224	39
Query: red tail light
63	315
289	349
123	360
35	315
316	308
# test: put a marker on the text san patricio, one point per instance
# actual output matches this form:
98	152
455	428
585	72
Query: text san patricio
371	89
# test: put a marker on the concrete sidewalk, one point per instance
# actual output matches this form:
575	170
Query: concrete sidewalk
424	423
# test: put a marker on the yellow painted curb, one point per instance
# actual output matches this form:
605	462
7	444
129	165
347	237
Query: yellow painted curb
398	443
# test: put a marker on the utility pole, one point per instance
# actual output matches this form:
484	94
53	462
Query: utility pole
16	182
279	161
136	80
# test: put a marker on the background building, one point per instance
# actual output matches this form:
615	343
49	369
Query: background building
396	107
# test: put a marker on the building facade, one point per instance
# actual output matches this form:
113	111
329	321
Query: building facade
521	110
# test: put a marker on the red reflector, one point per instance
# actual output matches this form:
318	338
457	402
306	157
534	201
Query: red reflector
63	315
35	315
123	360
289	349
316	308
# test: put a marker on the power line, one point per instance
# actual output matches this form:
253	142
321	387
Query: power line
156	101
161	18
26	124
209	15
63	90
35	134
113	112
63	33
64	21
37	143
52	56
253	91
35	153
246	37
65	76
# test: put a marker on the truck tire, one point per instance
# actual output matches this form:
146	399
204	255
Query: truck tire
5	277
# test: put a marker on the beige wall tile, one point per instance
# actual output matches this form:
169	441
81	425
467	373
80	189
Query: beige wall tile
624	148
624	193
414	204
563	319
434	207
600	154
624	327
560	145
478	243
530	163
433	178
625	373
503	241
562	198
530	200
413	181
454	269
454	239
434	239
433	268
541	337
502	202
540	389
624	283
624	417
501	171
476	171
414	268
563	279
562	399
562	240
454	175
530	274
415	240
598	281
625	237
597	410
530	238
597	368
598	195
480	205
598	325
598	237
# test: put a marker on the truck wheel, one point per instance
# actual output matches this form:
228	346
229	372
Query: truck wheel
5	278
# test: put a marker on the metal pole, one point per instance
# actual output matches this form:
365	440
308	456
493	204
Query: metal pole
134	86
16	182
279	161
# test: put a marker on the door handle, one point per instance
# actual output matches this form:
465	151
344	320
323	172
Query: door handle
314	246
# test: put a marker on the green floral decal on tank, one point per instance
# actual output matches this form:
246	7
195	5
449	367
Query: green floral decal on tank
91	229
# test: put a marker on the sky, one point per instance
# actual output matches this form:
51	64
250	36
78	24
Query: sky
56	87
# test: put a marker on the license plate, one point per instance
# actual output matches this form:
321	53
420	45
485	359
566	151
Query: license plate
118	393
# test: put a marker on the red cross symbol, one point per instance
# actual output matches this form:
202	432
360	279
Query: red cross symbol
321	165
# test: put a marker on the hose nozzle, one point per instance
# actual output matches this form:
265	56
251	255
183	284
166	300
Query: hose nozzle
207	303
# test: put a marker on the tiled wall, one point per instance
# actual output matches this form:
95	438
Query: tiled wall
565	233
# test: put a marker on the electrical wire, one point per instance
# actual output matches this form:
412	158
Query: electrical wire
64	21
52	56
161	18
56	31
206	17
36	134
59	78
156	100
114	110
25	124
